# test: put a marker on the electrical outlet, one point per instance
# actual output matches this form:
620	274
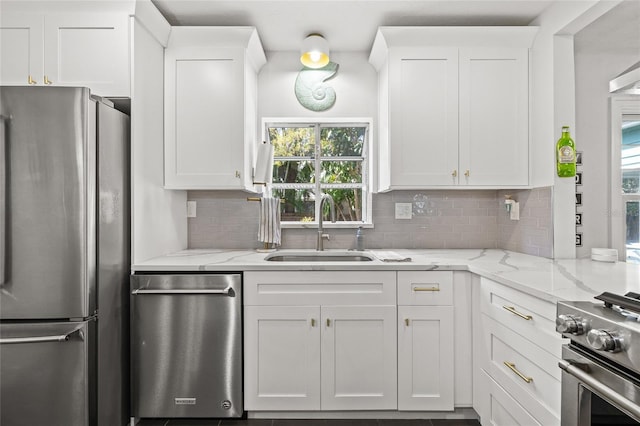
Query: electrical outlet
403	210
191	209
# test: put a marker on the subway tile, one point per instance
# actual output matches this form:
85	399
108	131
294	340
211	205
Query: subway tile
224	221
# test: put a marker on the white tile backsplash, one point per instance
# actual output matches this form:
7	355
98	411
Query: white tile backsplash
460	219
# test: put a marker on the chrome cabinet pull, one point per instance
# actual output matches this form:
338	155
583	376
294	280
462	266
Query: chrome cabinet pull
41	339
227	291
600	388
513	368
513	311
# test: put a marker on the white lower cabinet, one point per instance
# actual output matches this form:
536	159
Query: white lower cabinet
282	357
358	363
425	340
425	358
357	340
328	342
501	408
516	374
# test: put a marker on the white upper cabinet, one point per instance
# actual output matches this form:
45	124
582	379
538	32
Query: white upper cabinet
70	49
453	106
211	106
494	116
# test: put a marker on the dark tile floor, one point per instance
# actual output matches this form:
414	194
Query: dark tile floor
313	422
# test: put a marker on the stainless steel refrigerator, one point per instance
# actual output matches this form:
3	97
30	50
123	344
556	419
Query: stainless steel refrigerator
64	258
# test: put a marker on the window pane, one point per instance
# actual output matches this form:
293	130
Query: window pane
292	141
342	141
341	172
293	171
299	204
348	204
630	156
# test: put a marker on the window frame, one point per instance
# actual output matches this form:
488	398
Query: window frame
367	161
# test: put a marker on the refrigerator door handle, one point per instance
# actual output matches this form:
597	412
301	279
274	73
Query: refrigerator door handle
3	198
42	339
226	291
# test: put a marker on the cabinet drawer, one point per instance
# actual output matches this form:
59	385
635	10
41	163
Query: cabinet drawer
425	288
503	410
527	315
320	288
533	378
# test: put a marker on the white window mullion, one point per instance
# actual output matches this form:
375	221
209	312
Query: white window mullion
318	171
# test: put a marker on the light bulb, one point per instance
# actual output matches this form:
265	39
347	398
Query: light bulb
315	56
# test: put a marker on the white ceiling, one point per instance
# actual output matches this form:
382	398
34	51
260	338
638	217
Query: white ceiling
348	25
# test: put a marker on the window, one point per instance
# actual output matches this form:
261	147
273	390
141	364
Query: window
625	190
630	165
314	158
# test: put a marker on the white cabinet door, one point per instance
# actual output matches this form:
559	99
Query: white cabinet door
282	358
359	361
423	92
204	127
425	358
21	49
494	105
88	50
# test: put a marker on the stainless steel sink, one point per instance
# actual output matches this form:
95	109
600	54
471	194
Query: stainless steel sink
320	256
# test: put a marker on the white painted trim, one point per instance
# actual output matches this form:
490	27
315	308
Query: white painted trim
457	413
153	21
470	36
564	221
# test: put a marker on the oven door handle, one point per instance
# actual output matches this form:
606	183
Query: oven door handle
603	390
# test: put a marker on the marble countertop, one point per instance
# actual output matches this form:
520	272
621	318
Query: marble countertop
552	280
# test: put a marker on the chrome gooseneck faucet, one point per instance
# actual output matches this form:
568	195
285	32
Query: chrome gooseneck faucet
332	207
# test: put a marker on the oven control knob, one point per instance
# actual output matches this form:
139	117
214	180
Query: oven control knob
602	340
569	324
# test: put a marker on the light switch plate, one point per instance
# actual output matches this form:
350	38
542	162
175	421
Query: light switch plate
403	210
191	209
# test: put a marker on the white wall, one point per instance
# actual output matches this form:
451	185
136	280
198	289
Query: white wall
159	217
356	86
603	50
553	89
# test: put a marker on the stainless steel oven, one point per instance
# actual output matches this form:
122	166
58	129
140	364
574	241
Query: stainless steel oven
601	364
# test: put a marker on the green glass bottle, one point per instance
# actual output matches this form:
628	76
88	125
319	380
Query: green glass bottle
566	154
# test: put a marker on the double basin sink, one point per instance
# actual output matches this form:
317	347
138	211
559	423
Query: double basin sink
320	256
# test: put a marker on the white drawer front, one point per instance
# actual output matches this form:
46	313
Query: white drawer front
503	410
528	316
532	376
320	288
425	288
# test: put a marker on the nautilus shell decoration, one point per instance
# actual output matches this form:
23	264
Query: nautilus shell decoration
311	90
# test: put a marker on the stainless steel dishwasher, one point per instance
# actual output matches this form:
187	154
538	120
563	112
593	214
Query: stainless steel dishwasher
186	345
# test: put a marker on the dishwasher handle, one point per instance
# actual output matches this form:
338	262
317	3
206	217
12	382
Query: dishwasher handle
226	291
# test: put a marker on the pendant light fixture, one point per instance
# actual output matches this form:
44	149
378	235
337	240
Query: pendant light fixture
314	52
